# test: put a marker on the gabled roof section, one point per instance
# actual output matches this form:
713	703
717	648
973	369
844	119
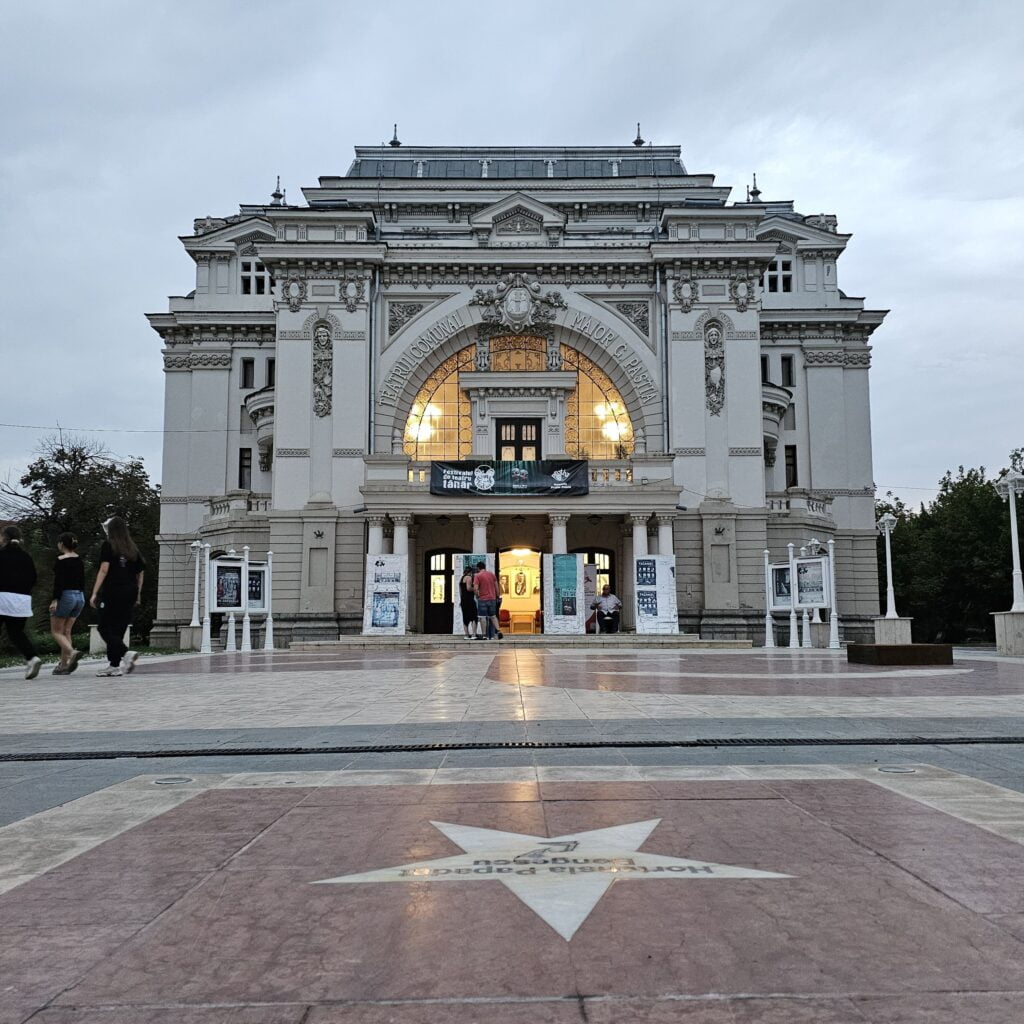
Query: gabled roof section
517	214
797	232
220	234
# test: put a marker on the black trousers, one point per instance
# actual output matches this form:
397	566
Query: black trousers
16	634
115	618
607	622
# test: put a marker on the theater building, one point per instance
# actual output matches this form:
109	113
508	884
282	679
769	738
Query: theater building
692	360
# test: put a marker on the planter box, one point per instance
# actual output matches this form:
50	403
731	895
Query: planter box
900	654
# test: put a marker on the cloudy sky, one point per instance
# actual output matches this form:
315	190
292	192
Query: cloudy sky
123	121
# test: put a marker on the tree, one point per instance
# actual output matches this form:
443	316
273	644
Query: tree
74	485
951	558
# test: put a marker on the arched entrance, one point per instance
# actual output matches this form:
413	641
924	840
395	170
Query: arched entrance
520	586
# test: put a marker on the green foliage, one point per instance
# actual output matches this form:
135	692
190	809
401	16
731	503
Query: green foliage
951	558
74	485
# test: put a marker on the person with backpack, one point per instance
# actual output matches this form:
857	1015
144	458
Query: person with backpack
17	578
68	601
117	592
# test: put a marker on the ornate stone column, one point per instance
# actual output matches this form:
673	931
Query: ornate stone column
480	521
375	535
666	539
415	585
625	580
559	542
401	521
639	533
389	540
652	540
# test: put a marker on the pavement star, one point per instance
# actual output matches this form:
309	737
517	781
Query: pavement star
560	879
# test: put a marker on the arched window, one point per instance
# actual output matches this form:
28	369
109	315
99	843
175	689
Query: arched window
597	425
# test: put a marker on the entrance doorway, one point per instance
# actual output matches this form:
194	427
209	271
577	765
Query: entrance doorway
519	583
439	586
518	440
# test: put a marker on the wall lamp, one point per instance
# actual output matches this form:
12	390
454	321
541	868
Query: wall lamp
682	508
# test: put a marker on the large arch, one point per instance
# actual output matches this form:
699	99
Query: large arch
645	412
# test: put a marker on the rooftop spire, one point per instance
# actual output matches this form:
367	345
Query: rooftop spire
638	141
394	138
277	195
754	194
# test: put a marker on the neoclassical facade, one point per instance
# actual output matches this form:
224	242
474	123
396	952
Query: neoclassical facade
601	305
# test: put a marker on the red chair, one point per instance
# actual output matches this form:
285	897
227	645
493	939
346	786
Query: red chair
504	620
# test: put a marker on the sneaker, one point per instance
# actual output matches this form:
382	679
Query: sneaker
130	657
60	670
111	671
466	636
32	667
501	636
479	637
73	661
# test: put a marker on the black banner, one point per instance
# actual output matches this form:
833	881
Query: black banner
546	477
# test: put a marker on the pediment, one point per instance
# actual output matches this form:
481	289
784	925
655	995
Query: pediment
240	234
793	234
518	214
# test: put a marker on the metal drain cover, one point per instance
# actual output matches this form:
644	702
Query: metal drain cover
897	770
173	780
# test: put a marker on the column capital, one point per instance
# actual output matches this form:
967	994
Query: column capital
666	517
401	518
640	518
559	518
375	519
480	518
626	530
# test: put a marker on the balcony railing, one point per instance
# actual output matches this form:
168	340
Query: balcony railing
799	502
237	503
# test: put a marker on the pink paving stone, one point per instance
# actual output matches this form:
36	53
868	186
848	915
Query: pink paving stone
866	929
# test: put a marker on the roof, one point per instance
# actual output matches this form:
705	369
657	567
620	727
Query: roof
518	163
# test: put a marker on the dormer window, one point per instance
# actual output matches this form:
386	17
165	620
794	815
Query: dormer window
256	279
779	275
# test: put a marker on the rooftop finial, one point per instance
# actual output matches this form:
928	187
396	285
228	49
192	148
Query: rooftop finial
394	138
277	195
755	192
638	141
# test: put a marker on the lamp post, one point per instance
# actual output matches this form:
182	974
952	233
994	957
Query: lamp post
246	623
833	612
1009	486
769	624
206	646
886	525
196	546
794	636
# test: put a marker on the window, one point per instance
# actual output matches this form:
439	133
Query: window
245	424
791	475
271	372
765	372
248	379
789	419
245	469
788	379
779	276
256	279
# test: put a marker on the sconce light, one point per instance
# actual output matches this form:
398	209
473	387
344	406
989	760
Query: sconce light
443	520
682	508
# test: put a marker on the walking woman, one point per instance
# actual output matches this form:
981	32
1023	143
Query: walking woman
117	592
68	601
467	605
17	578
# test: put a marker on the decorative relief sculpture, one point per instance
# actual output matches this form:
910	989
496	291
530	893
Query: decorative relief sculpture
400	313
266	457
323	358
741	291
353	290
517	303
554	352
517	222
293	291
714	369
685	292
638	314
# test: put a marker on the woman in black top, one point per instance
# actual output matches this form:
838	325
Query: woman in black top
117	592
17	578
68	601
467	605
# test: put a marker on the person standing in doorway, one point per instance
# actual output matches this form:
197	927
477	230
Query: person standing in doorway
467	605
117	592
17	578
485	584
68	601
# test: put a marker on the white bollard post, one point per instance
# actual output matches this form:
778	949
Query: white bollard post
806	624
246	624
231	645
769	623
268	622
794	638
833	615
206	647
196	547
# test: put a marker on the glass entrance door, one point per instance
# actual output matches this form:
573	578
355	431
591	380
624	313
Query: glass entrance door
439	587
518	440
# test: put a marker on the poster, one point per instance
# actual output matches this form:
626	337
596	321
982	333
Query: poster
460	562
257	587
781	598
485	478
385	600
227	582
590	594
811	582
565	609
655	594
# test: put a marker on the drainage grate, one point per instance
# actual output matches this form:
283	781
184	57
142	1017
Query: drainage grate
413	748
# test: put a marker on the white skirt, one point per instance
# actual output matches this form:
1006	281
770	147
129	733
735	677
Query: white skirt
17	606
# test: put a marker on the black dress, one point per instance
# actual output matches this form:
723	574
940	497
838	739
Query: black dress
467	603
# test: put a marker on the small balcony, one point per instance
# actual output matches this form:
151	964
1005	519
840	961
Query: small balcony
775	400
237	504
260	407
798	502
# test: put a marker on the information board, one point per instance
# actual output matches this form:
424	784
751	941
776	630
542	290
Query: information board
565	609
386	596
654	587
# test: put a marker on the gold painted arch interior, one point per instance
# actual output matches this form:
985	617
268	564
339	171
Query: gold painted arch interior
439	425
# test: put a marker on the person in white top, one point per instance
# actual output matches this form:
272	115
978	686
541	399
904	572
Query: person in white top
608	608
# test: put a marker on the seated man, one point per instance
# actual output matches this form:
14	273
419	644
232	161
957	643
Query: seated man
608	607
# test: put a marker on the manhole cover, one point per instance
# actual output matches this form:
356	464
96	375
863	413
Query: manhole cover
173	780
896	770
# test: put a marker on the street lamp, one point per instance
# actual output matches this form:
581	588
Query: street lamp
885	526
1009	486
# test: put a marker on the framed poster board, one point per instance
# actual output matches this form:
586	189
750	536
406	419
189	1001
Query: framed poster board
812	589
257	586
654	578
564	606
385	600
781	594
226	580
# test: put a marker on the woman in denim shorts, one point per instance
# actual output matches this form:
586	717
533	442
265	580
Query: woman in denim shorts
68	601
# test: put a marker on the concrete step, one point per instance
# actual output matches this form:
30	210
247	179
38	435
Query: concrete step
422	642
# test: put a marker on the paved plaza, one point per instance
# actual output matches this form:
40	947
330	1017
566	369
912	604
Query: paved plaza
508	834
